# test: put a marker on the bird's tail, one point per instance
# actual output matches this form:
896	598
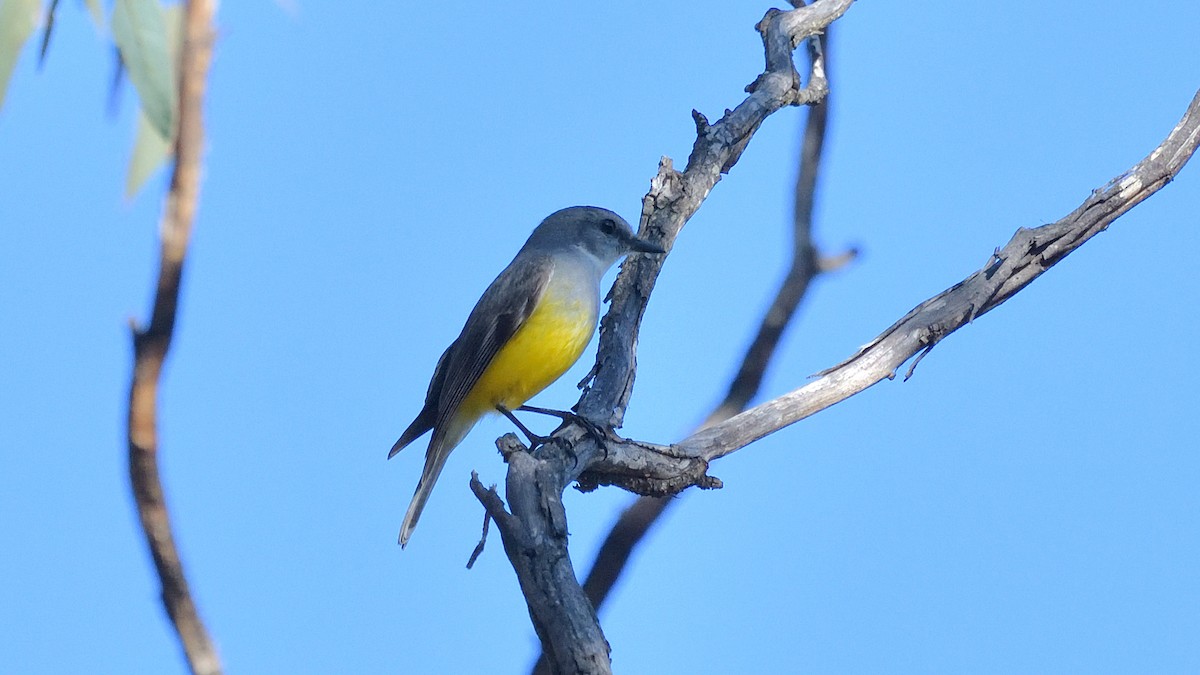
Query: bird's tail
439	450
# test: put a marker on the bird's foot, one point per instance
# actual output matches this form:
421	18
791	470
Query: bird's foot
600	434
534	439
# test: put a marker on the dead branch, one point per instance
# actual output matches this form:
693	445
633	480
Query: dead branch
635	522
1024	258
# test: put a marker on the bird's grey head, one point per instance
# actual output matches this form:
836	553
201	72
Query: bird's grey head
600	233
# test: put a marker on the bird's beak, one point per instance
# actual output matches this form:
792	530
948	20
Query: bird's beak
643	246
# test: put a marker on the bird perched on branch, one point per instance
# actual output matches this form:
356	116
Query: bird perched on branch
531	325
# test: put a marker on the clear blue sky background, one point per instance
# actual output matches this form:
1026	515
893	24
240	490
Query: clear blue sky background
1028	502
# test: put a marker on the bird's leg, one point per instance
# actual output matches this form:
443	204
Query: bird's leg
593	429
534	439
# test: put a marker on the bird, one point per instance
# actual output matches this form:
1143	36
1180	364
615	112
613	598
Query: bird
531	324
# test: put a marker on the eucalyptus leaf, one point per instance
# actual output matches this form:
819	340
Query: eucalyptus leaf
150	149
150	152
140	30
97	13
18	18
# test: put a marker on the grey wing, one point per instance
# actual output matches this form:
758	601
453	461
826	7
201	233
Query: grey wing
428	415
500	312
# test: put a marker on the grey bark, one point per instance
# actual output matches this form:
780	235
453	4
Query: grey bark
636	521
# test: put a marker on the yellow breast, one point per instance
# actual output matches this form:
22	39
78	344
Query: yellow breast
543	348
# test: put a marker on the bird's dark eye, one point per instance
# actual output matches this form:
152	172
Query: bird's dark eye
609	226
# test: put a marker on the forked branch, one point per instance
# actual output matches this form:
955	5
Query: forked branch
636	521
657	470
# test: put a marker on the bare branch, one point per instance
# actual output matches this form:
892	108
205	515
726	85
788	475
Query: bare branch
804	267
152	343
675	196
487	520
635	522
1026	256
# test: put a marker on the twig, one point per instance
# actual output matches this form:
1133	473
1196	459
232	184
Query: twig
151	344
487	520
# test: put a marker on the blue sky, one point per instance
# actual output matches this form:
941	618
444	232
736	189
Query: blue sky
1027	502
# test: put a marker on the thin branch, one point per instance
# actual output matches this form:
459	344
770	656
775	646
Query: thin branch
487	520
535	537
152	343
1026	256
804	268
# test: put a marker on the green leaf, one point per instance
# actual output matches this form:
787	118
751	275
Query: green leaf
150	149
18	18
140	29
97	13
150	152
